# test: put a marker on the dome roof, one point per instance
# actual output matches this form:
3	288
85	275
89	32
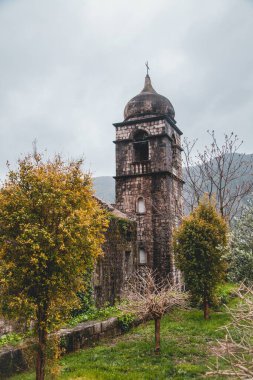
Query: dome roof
148	102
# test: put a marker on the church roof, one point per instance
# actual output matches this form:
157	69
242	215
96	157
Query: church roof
148	102
113	210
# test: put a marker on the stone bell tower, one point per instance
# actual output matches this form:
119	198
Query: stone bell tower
149	175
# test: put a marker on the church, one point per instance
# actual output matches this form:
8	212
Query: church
148	203
148	186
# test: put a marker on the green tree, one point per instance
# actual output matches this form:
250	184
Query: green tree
241	252
199	244
51	231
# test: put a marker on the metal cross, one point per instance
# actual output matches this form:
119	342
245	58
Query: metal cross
146	64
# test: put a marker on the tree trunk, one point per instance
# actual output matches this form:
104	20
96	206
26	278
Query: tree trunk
157	334
206	309
41	355
42	341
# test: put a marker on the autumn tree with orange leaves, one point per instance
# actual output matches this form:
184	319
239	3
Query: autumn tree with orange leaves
51	232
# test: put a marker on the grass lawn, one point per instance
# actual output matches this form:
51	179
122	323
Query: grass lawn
186	351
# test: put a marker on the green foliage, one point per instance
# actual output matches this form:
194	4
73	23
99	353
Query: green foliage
126	321
241	253
93	313
121	227
11	339
52	230
200	243
224	294
86	298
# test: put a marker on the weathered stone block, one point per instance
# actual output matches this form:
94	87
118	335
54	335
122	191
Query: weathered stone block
97	328
109	324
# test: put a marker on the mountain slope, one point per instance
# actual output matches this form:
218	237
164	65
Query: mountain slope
105	188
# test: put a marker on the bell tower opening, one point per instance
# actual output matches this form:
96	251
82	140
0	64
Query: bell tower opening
141	149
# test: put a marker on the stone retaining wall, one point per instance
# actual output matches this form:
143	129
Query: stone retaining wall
13	359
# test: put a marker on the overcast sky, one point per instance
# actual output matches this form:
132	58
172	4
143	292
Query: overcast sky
68	67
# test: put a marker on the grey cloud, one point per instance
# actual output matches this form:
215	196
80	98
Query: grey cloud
69	67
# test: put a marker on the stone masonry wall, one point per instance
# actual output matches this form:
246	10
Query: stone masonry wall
14	359
118	262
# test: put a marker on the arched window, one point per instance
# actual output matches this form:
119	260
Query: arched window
142	256
141	208
141	146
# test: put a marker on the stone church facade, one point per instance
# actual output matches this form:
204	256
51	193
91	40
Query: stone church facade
148	193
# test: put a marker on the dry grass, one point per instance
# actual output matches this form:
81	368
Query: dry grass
236	350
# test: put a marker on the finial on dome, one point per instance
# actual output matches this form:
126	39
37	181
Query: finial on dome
147	85
146	64
148	102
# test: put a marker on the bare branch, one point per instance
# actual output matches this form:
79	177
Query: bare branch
150	297
219	171
237	348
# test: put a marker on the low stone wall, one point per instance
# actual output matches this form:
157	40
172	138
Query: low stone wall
13	360
87	334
